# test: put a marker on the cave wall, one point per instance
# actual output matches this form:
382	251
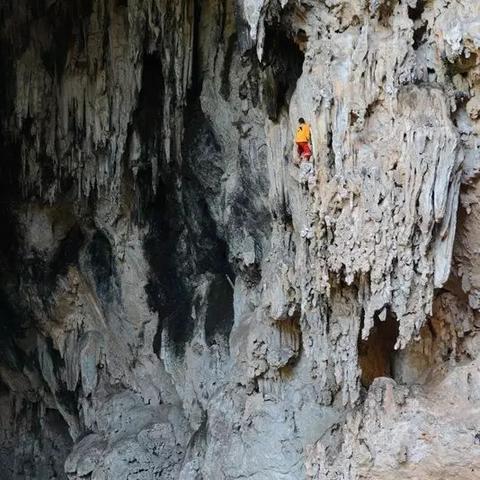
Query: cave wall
178	299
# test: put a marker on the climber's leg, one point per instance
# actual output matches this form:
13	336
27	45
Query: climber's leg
307	152
304	150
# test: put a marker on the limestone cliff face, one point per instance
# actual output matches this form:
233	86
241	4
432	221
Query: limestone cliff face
178	300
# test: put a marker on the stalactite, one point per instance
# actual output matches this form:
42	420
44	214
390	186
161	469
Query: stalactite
179	299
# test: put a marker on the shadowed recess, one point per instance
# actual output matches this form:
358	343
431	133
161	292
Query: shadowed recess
283	66
376	354
102	265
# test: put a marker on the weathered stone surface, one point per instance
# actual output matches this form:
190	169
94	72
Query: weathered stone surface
179	299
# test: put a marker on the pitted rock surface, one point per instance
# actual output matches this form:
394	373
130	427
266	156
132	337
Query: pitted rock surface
180	298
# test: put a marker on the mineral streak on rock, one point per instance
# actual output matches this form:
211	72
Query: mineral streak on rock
179	300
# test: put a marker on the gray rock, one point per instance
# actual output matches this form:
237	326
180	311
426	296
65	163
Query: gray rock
179	299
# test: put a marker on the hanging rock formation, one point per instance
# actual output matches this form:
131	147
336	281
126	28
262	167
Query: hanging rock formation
179	300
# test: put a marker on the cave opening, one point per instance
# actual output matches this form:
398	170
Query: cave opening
209	249
148	117
219	317
202	169
67	254
159	208
179	249
290	340
178	246
148	123
282	67
166	290
183	241
102	265
376	354
55	422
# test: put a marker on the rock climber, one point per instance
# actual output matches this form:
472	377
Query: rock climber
302	139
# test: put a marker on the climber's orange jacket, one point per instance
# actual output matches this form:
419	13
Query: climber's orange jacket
303	133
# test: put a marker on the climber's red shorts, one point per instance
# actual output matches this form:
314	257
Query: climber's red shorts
304	150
